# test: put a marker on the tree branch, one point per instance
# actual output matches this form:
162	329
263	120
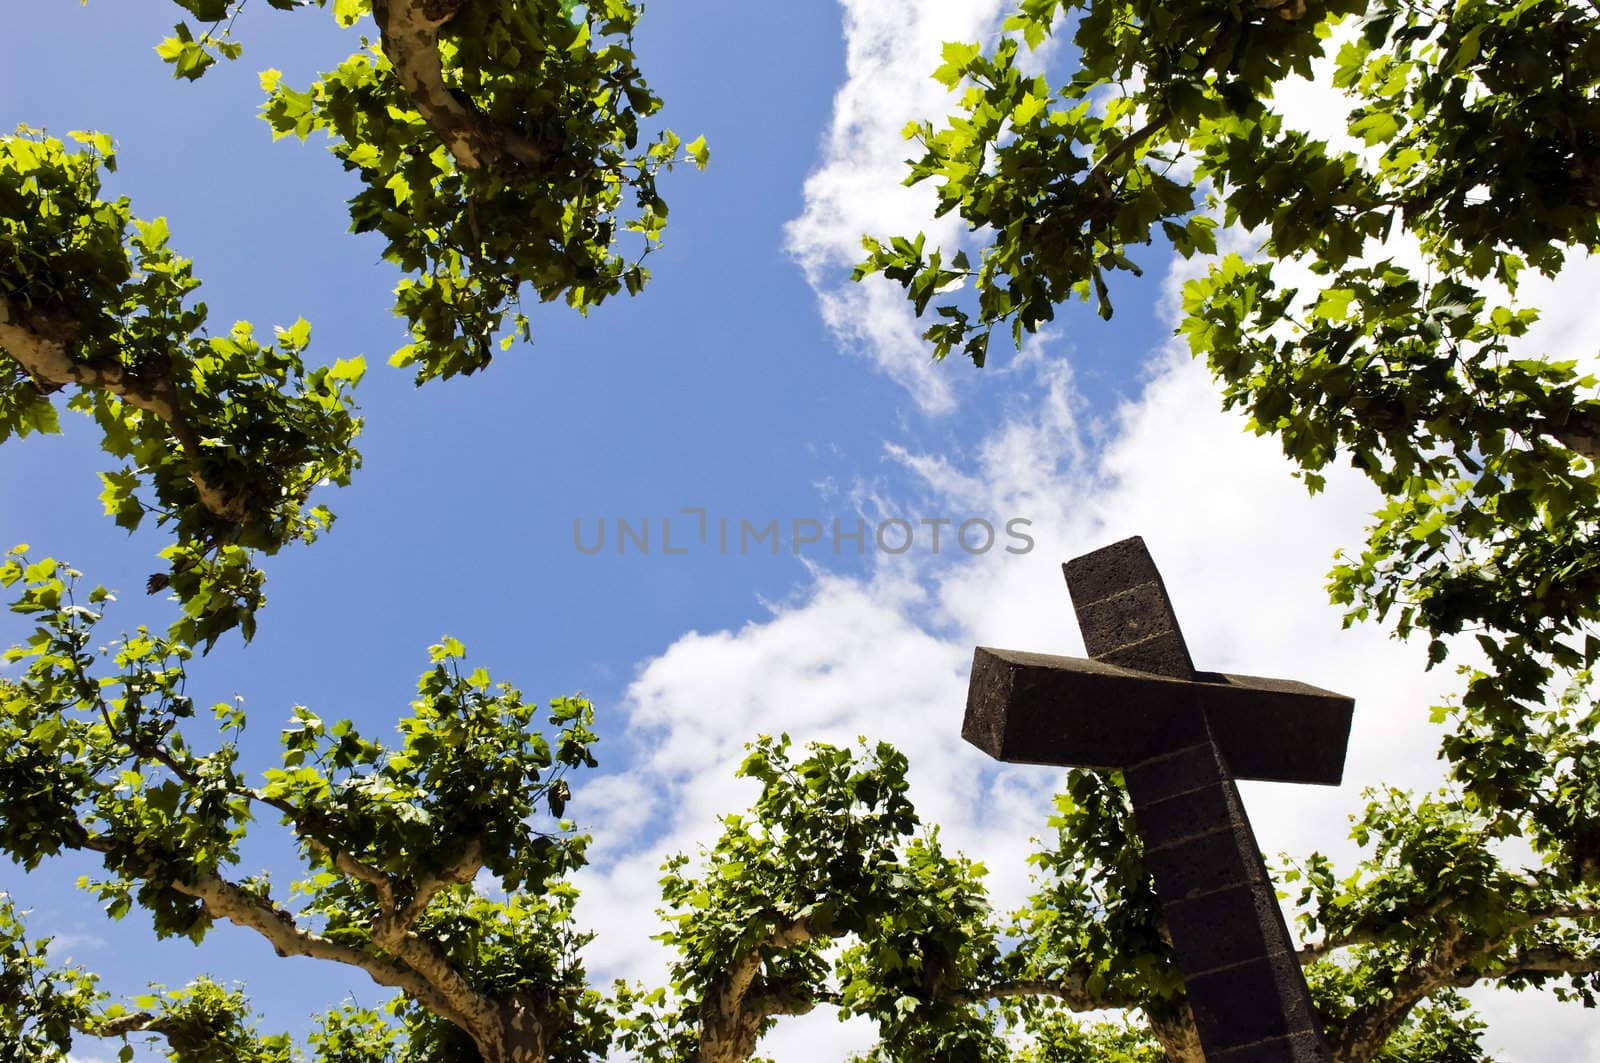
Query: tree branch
410	33
445	993
770	1003
1547	960
1367	936
456	1000
1579	432
363	872
422	970
482	1015
123	1025
225	900
1177	1034
1070	991
1581	435
302	823
463	871
743	971
730	1020
41	342
1563	911
1127	144
796	933
1365	1032
392	930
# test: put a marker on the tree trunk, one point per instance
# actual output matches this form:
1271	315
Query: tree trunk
1179	1038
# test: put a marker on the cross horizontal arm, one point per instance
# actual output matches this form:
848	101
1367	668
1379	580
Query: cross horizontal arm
1035	708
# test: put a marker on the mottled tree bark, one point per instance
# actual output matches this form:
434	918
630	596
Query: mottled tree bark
42	343
410	33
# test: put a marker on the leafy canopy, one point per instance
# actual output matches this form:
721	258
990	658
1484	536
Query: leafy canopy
223	439
500	148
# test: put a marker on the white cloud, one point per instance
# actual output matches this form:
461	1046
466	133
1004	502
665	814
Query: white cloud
1569	320
1530	1027
892	46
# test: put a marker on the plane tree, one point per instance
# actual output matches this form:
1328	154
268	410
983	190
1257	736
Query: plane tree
786	914
99	759
501	150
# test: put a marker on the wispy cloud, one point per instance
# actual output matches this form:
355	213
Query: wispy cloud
891	49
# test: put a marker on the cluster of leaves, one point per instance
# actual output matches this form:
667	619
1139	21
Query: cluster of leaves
223	439
498	144
763	930
1432	906
1064	178
1096	921
1381	325
829	856
1546	766
1467	917
498	148
40	1005
521	947
43	1003
1060	1038
97	759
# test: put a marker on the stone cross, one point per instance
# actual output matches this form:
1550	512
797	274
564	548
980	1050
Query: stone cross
1180	738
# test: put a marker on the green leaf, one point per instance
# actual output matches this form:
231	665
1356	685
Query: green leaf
206	10
697	150
1333	304
957	56
188	57
1375	127
348	12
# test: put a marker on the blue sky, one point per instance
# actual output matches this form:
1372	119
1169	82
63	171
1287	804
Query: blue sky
750	379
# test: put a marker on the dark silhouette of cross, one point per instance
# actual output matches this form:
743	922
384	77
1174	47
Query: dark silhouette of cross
1180	738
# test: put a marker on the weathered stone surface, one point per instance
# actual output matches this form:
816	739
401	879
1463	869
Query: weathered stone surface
1175	773
1222	928
1180	737
1036	708
1294	1048
1124	612
1248	1002
1111	570
1178	820
1195	867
